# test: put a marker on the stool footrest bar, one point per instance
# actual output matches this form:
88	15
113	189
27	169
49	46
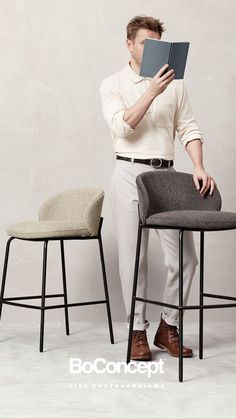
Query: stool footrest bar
190	307
224	297
31	297
4	301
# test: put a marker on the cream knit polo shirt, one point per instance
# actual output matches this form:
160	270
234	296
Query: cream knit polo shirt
154	135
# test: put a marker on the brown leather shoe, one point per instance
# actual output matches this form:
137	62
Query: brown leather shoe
167	338
140	348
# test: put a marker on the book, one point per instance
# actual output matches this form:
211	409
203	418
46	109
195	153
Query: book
157	53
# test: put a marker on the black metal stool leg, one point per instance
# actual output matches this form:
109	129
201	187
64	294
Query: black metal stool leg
181	234
43	294
64	286
201	294
131	321
105	288
4	275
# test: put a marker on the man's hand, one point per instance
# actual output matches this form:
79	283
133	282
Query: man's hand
207	181
160	82
194	148
134	114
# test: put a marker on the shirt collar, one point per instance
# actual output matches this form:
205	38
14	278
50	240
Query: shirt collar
133	76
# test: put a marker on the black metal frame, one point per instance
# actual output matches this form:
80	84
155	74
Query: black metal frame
43	296
179	307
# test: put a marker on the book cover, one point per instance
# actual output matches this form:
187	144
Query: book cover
157	53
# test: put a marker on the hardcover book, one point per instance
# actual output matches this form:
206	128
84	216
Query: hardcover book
157	53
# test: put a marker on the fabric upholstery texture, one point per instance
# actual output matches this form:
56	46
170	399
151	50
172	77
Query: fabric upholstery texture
171	199
194	220
74	212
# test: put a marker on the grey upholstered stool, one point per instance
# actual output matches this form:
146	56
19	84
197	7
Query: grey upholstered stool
170	200
73	214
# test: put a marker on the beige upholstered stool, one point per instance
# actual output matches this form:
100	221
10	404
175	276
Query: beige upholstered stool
73	214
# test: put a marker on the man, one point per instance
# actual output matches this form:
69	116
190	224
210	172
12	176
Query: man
144	115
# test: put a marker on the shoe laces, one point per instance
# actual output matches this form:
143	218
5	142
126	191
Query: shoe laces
174	335
140	337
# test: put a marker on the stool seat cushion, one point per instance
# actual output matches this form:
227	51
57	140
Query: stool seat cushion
47	229
195	219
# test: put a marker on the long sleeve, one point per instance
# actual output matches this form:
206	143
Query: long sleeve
113	108
186	124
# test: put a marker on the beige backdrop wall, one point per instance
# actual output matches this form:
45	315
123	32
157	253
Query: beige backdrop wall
53	56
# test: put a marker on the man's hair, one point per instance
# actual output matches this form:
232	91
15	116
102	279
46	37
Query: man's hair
143	22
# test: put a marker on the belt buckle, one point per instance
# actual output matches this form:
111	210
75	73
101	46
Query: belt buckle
155	167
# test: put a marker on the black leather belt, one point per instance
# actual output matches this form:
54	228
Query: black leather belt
156	163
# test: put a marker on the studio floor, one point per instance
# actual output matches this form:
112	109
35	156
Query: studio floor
40	385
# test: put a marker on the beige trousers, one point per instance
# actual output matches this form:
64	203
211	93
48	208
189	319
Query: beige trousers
124	198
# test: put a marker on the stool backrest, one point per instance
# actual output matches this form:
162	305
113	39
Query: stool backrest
162	191
81	205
